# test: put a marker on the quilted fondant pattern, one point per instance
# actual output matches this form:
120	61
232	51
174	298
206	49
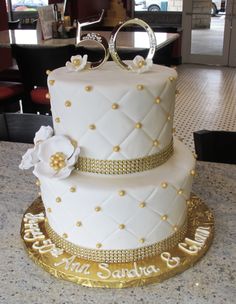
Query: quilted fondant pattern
103	226
100	209
115	127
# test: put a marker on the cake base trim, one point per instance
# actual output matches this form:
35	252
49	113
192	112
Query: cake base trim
117	256
118	275
125	166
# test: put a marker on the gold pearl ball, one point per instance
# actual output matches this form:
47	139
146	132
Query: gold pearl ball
58	199
188	202
116	149
88	88
138	125
98	245
158	100
79	224
175	228
164	217
142	240
68	103
171	78
122	226
65	235
177	92
156	143
76	62
92	127
140	87
193	172
47	96
48	72
142	205
180	191
122	193
164	185
57	120
51	82
97	209
49	210
115	106
141	63
72	189
37	182
169	117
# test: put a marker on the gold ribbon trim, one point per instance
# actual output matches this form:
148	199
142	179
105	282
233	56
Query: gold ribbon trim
117	256
126	166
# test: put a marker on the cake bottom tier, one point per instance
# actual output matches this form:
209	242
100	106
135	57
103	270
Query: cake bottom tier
135	215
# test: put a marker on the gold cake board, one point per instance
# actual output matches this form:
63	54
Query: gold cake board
119	275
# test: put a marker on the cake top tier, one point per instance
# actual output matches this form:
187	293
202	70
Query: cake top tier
114	114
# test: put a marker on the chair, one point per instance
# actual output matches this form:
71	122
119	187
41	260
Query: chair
11	74
33	62
215	146
18	127
10	95
14	24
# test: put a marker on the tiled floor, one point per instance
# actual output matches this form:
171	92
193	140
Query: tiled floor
206	100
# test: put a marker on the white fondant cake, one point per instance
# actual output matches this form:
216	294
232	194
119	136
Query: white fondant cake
123	120
120	211
113	113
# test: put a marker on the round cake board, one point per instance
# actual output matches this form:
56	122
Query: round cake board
118	275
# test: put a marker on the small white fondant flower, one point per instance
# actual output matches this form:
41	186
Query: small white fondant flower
43	134
140	65
29	159
77	63
57	157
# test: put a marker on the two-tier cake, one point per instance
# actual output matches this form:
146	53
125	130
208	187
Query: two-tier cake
114	183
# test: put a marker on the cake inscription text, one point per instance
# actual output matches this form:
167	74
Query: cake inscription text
33	233
136	271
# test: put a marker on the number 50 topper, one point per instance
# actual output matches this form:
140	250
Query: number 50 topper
111	49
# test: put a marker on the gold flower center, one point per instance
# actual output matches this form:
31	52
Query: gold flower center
58	161
76	62
141	63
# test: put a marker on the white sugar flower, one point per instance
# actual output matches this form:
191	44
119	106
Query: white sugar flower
29	159
140	65
57	157
77	63
42	134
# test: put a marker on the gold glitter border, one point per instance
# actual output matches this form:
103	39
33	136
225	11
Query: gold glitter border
198	215
126	166
117	256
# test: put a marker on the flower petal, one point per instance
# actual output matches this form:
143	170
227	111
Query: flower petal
43	170
70	67
137	59
43	133
29	159
74	157
57	143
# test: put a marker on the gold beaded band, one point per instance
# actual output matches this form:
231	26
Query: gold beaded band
118	256
126	166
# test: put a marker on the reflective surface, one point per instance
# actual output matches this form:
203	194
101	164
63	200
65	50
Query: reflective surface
208	41
125	39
